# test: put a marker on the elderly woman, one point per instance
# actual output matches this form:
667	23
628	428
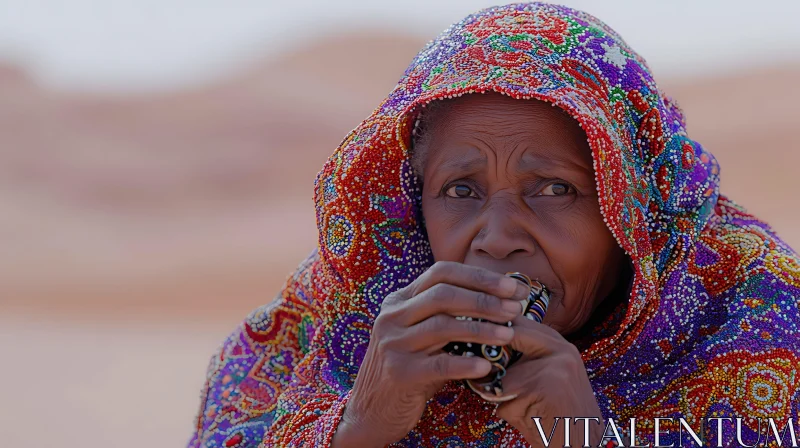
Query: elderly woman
527	138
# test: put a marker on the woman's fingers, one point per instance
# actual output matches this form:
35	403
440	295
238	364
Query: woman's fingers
435	332
446	298
526	377
445	367
470	277
535	340
459	290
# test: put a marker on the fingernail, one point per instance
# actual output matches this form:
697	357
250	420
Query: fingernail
482	366
510	306
509	286
505	332
522	291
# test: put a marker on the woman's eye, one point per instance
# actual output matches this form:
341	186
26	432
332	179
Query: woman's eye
557	189
460	191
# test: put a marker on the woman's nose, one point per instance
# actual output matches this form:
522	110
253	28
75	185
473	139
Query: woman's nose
501	235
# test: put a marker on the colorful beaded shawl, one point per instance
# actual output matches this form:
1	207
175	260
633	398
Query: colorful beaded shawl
711	324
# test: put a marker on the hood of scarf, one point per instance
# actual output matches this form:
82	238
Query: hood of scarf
657	187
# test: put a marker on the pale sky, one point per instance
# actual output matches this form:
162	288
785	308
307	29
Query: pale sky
137	45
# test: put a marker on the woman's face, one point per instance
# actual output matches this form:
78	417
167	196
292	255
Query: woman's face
509	186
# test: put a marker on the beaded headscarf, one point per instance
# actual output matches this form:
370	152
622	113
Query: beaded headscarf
711	324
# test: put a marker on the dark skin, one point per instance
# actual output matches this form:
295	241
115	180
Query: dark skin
508	185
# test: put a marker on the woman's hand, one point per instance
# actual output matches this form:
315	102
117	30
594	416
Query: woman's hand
549	381
405	366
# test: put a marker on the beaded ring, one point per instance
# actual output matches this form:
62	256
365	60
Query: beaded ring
490	387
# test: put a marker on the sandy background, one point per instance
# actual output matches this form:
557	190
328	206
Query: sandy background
137	230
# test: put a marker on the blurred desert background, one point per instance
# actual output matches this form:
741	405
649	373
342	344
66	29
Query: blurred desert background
140	220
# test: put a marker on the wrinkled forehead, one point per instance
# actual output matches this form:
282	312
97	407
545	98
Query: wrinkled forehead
536	131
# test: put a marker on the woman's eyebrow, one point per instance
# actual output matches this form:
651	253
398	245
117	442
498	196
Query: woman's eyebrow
463	164
530	162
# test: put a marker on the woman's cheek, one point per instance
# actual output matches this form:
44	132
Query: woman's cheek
445	229
575	246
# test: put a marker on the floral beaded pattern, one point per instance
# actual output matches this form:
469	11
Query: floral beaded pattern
710	328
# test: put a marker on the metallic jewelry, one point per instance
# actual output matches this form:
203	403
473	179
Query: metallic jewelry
490	387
